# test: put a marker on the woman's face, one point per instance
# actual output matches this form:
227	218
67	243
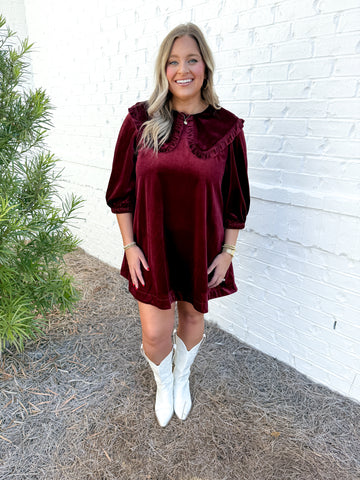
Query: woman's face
185	72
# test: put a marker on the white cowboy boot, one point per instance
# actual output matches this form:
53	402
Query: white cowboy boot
184	358
164	403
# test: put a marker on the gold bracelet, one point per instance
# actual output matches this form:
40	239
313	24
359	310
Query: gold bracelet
230	251
231	247
129	245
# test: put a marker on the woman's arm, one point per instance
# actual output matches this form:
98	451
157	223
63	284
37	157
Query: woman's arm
125	221
221	263
231	236
236	198
134	255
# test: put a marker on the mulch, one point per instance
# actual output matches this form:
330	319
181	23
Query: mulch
78	404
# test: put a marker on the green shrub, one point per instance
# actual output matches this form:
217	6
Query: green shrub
34	220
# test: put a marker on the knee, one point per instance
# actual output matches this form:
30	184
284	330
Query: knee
157	325
155	336
190	316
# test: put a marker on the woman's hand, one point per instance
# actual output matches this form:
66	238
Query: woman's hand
220	265
135	258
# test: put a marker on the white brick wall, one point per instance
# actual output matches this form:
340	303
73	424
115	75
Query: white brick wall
291	69
14	12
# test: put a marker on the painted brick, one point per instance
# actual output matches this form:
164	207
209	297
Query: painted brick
310	368
15	16
245	56
243	6
330	128
288	126
293	50
256	17
349	21
254	91
291	90
278	32
312	68
263	342
304	145
289	10
267	73
342	147
269	143
277	109
355	387
345	44
239	76
314	26
334	88
236	39
347	66
325	6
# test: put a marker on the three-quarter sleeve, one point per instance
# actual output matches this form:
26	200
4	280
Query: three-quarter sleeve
235	185
120	194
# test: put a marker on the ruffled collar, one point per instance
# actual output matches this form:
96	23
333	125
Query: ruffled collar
208	132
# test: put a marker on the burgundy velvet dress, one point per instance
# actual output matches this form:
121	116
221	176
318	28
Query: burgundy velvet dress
182	200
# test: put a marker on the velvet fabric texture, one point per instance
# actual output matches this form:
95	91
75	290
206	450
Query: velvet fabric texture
182	200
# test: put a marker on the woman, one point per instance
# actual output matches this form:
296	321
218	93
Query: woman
180	191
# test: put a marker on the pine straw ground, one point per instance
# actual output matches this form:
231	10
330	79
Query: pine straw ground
78	404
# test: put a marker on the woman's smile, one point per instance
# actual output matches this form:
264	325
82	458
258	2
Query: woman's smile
184	82
185	72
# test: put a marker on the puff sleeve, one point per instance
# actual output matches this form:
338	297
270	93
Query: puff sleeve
120	194
235	185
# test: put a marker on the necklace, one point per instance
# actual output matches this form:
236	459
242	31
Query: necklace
185	118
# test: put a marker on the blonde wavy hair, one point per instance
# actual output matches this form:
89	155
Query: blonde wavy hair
157	129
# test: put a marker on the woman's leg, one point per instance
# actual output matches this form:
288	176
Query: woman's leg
191	324
157	327
188	340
